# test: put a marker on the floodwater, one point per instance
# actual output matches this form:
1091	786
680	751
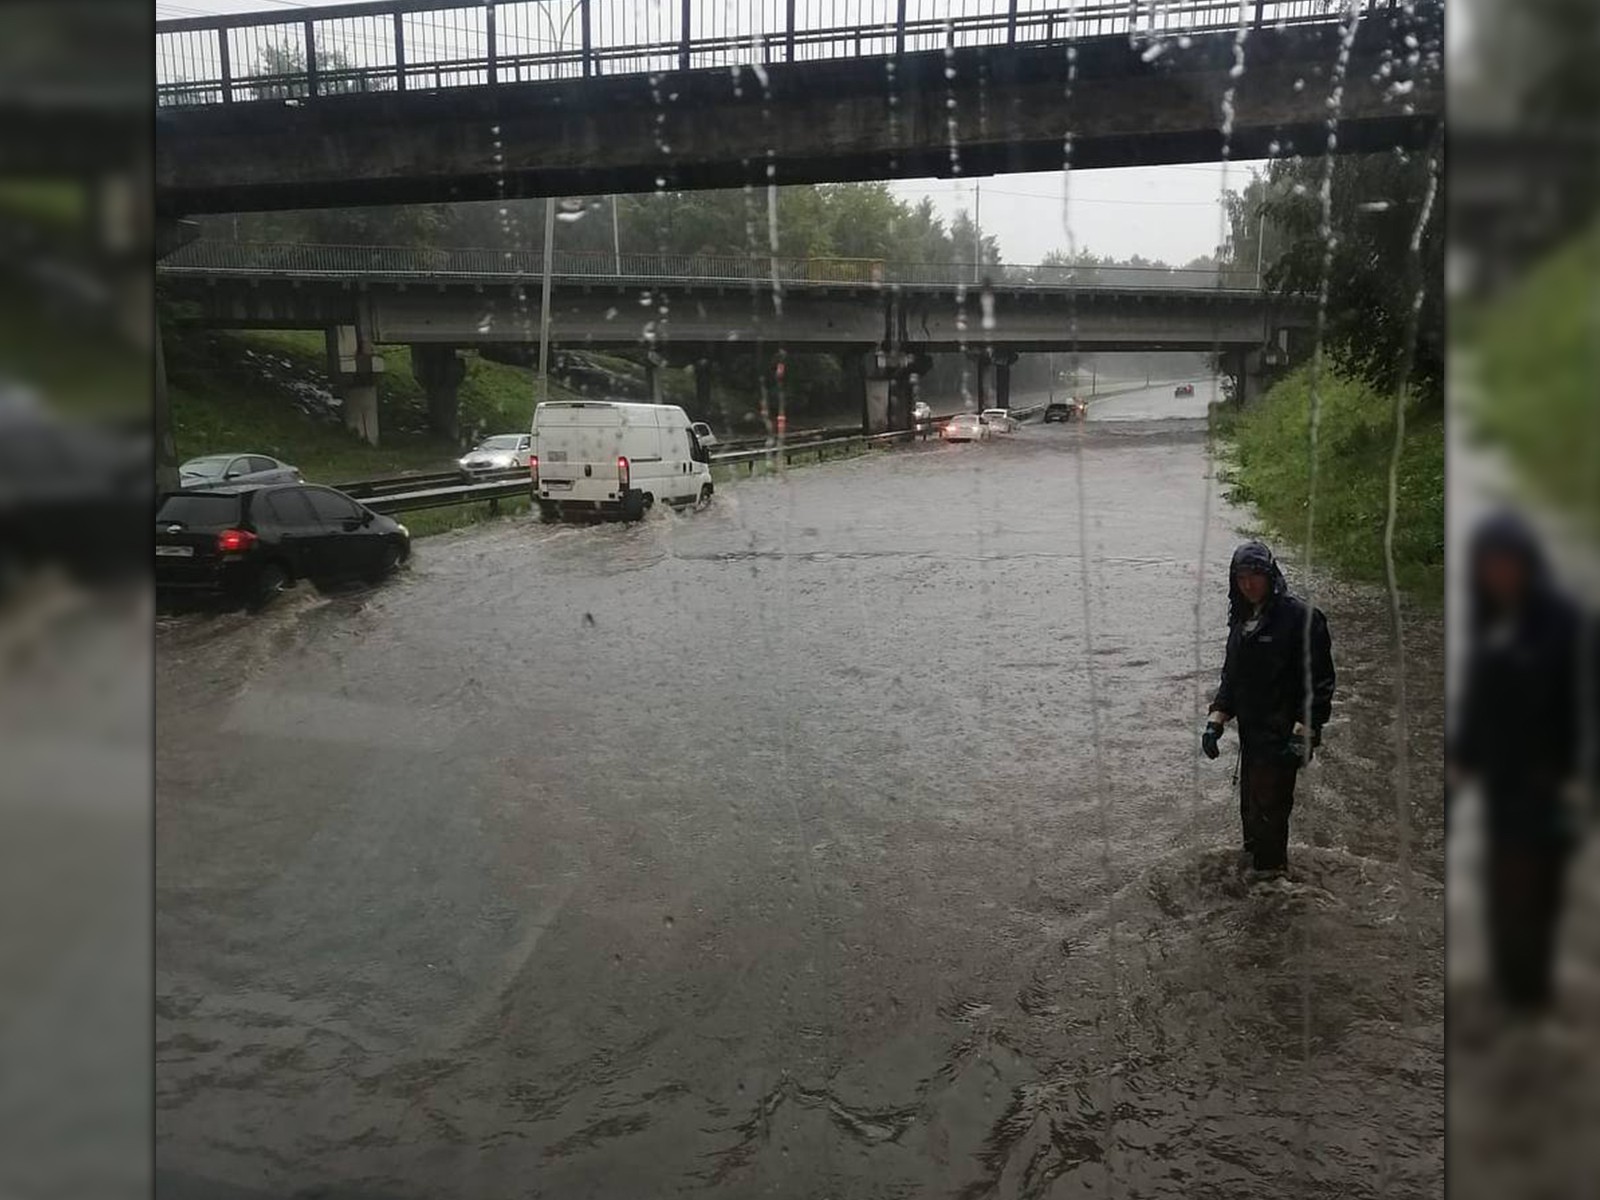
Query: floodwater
776	850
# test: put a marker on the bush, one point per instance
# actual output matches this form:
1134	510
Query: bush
1356	435
1536	369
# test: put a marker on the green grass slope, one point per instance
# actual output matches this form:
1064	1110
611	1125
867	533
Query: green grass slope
1270	469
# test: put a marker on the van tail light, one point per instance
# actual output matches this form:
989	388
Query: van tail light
232	541
623	472
533	469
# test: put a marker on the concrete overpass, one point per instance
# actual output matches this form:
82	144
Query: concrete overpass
883	319
371	104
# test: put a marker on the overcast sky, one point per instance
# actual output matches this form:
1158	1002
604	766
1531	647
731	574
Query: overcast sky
1166	213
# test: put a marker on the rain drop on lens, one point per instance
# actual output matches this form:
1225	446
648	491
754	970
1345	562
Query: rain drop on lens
986	306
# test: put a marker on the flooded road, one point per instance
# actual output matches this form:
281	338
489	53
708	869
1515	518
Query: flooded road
774	850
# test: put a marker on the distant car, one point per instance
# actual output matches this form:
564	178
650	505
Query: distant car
1183	389
965	427
249	543
921	413
703	434
1064	410
502	452
1000	420
218	470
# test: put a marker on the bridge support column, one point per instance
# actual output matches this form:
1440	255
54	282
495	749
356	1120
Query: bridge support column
1003	362
354	369
439	370
1250	379
652	378
702	388
980	365
853	381
1245	368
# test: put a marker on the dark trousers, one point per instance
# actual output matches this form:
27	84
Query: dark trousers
1526	881
1266	797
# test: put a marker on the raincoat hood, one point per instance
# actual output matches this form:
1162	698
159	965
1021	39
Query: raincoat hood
1255	555
1507	533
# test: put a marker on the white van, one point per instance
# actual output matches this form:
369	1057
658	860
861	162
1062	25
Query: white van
598	457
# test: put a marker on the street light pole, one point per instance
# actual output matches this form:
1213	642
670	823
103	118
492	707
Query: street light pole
616	240
977	232
1261	234
544	299
558	37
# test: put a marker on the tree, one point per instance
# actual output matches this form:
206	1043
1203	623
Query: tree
285	65
1375	203
964	236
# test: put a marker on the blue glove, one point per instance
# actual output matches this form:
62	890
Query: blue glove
1209	739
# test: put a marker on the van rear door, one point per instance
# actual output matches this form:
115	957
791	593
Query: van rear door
578	444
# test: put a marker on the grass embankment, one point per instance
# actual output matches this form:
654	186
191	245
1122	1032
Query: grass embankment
1270	468
1536	359
233	392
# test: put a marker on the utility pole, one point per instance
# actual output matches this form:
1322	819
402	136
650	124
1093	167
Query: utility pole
1261	234
977	232
544	298
616	240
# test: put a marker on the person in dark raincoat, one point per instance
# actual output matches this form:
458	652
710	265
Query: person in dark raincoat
1518	731
1263	685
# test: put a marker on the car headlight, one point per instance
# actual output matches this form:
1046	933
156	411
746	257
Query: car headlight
404	532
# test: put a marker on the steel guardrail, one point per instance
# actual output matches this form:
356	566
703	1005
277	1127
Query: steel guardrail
303	54
213	258
412	493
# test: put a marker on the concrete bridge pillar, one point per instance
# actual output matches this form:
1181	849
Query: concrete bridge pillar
702	387
354	369
652	376
1246	369
1004	360
980	366
439	370
853	379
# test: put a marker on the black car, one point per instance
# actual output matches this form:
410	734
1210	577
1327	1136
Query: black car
1183	389
250	542
1063	410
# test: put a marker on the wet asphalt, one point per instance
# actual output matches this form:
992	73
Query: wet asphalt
847	839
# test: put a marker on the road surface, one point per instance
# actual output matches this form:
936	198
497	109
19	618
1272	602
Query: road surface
777	850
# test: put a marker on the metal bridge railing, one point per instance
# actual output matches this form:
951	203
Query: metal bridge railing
305	260
303	53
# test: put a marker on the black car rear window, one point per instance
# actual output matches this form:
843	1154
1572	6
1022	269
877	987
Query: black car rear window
199	512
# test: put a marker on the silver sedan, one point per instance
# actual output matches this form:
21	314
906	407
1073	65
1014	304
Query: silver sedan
216	470
965	427
498	453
